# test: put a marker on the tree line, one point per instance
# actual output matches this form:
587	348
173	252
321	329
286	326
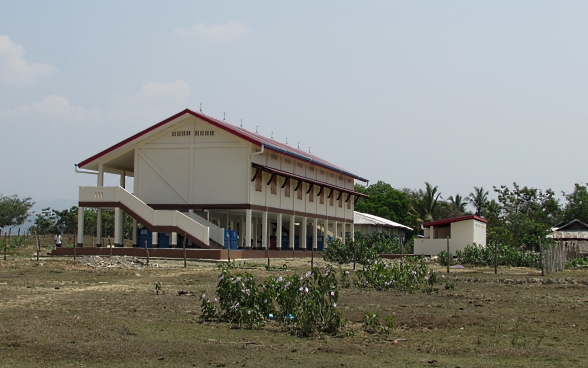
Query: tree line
517	217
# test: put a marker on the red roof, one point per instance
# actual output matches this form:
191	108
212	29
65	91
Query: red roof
456	219
254	138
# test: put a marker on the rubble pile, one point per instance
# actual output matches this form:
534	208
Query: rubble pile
115	262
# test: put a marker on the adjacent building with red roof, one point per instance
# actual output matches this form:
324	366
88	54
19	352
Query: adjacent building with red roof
460	231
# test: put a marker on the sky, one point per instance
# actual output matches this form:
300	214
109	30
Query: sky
455	93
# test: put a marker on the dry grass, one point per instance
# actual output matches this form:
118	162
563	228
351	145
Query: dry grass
63	313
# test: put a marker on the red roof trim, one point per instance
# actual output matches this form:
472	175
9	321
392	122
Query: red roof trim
456	219
256	139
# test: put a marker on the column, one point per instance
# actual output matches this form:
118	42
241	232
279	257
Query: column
174	240
241	231
343	226
118	236
248	229
292	234
335	231
303	229
134	233
255	232
279	232
326	234
154	239
264	230
99	211
315	234
352	231
80	226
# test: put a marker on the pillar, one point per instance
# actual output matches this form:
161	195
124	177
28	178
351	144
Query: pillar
255	232
264	230
241	231
303	229
315	234
134	233
326	234
154	239
99	227
352	231
335	231
174	240
118	225
343	226
248	229
279	232
80	226
292	235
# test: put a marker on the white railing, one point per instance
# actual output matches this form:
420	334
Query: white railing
154	217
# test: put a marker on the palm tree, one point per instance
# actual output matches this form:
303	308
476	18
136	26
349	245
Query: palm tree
426	203
479	199
459	203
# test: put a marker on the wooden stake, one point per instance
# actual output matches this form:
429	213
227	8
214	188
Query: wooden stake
147	250
541	257
6	242
185	241
496	257
229	248
75	246
38	245
448	256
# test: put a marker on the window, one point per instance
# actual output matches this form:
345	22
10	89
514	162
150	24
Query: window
299	191
181	133
322	196
331	200
274	185
258	185
287	188
203	132
311	194
274	157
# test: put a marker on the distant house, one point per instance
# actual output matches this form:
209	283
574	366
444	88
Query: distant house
575	236
368	224
461	231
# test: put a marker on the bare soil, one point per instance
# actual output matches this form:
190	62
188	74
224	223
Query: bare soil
61	312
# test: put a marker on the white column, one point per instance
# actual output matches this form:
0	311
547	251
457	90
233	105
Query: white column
264	230
134	233
335	230
255	232
154	239
118	236
241	230
292	235
99	211
279	232
352	231
303	229
343	226
80	226
315	234
248	229
174	240
326	234
99	227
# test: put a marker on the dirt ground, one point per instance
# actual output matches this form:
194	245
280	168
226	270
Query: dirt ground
101	312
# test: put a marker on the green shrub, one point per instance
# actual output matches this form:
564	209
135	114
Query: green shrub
363	248
386	275
479	255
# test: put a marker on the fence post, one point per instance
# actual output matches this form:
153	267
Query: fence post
185	241
448	256
38	245
541	257
354	243
147	250
496	257
6	242
75	246
401	252
228	247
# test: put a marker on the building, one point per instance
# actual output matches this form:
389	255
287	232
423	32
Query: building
369	224
460	231
198	176
573	235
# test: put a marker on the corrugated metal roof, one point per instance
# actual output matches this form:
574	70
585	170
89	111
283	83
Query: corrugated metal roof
455	219
254	138
360	218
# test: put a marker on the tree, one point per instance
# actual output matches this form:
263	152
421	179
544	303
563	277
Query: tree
385	201
458	205
426	204
479	199
13	210
577	204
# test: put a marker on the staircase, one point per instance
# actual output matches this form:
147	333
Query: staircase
155	220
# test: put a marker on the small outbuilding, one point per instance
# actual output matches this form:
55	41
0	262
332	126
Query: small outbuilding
460	231
574	235
369	224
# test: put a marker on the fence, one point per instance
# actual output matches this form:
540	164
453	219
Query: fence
555	257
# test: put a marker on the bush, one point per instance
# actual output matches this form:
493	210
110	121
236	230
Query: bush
577	263
307	305
385	275
363	248
479	255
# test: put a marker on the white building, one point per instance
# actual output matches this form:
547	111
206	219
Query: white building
198	176
461	231
368	224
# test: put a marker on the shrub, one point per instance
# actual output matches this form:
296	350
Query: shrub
479	255
363	248
386	275
307	305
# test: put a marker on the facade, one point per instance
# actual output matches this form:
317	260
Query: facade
196	176
461	231
369	224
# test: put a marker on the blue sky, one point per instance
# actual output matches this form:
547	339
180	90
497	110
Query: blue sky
459	94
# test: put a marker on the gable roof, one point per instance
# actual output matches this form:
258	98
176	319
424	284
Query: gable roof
455	219
573	225
360	218
240	132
